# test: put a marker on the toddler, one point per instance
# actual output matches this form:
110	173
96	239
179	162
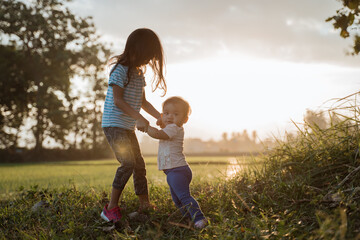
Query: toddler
171	158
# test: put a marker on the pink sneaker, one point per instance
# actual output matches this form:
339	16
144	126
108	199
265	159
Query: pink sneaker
111	215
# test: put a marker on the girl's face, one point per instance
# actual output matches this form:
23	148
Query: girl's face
174	113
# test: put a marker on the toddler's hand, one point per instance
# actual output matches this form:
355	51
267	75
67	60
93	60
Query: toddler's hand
160	123
142	124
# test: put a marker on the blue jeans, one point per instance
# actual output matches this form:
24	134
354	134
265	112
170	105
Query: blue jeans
126	148
179	181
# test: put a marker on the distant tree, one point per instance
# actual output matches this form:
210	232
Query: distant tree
95	74
49	45
78	119
235	137
316	119
245	136
13	96
85	127
224	137
254	136
346	18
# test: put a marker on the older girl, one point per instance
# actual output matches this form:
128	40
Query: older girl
124	99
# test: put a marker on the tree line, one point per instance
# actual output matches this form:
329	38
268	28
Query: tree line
44	47
242	142
230	143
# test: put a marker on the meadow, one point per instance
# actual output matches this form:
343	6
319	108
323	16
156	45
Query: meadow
307	187
86	185
99	174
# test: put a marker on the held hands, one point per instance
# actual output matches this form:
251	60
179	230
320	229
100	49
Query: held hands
160	123
142	124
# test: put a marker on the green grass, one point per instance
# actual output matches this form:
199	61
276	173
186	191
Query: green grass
308	187
97	174
82	186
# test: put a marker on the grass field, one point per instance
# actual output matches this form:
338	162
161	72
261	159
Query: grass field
99	174
306	187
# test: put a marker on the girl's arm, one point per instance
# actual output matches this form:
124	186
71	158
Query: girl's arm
156	133
149	108
119	101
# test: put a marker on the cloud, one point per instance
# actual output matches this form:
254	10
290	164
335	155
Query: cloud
282	29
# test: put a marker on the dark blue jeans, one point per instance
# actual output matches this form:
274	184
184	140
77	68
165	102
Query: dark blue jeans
127	151
179	181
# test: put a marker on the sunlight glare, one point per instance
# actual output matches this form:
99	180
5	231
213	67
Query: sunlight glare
233	168
234	92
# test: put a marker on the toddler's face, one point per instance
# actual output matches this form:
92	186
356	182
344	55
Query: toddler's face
173	113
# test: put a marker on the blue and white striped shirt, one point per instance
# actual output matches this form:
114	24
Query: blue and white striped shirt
133	92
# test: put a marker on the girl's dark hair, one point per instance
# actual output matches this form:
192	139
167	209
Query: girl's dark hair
143	47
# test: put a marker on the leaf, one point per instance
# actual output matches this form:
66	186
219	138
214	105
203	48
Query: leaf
181	225
344	33
343	226
108	229
351	18
353	5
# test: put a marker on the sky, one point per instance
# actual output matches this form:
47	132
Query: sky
254	65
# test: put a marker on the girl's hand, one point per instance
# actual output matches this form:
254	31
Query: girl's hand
142	124
160	123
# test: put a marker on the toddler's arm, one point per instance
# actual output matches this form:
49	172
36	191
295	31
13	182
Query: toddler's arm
156	133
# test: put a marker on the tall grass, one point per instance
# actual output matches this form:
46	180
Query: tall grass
308	188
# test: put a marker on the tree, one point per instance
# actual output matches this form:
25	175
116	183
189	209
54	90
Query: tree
224	137
13	96
347	18
254	136
97	95
315	119
88	115
48	45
